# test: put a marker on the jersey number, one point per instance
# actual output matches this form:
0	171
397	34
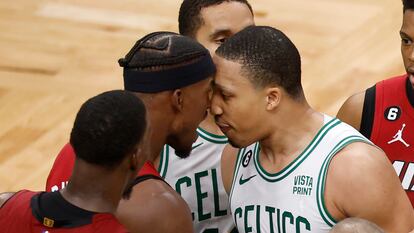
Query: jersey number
392	113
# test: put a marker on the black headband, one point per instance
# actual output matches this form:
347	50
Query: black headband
157	81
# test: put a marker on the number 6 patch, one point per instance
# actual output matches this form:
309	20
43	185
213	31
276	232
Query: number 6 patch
392	113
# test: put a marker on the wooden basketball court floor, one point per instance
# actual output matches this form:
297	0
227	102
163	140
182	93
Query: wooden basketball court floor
57	53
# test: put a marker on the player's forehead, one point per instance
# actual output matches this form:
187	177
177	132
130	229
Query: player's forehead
229	76
216	18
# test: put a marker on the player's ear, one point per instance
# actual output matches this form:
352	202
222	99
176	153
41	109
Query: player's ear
133	162
273	98
177	99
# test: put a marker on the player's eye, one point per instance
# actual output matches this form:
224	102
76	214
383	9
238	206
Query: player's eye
221	40
406	41
225	96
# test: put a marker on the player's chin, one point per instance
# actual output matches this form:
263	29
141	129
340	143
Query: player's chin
239	140
235	143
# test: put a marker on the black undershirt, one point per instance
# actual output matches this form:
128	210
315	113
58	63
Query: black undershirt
367	118
410	92
368	111
53	206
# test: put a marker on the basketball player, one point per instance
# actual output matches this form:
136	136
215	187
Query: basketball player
356	225
384	113
168	72
106	135
297	170
198	177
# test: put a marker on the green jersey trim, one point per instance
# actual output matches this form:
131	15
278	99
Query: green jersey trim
218	139
236	172
320	190
164	157
295	163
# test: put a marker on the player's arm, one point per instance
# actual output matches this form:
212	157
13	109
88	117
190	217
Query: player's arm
4	197
228	162
351	110
155	207
362	183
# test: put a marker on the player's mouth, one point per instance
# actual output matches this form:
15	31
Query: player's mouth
224	127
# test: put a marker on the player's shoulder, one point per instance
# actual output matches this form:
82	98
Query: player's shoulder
4	197
228	163
229	157
351	110
154	206
360	163
364	167
230	151
358	155
23	196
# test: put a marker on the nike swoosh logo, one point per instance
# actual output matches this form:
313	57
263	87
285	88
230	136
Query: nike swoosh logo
201	143
241	181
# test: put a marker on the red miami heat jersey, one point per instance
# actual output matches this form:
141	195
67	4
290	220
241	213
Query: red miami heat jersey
393	126
17	215
63	166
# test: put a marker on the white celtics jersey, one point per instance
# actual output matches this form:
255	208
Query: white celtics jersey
291	200
198	180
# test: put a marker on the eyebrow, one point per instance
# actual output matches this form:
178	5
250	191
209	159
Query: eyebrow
404	34
220	87
220	32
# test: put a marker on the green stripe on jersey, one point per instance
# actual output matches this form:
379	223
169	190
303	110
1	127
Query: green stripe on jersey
164	157
320	189
236	171
218	139
295	163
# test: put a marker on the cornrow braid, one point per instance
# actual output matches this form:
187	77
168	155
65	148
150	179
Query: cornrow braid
162	50
162	61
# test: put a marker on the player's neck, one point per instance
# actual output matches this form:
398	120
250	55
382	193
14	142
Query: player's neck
94	188
210	126
159	123
289	136
157	135
155	141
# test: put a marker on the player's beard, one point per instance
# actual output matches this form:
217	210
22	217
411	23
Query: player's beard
183	153
182	150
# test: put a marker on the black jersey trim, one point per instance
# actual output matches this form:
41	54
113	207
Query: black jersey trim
138	180
52	210
368	112
410	92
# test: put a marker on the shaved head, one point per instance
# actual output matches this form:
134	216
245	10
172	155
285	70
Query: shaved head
356	225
